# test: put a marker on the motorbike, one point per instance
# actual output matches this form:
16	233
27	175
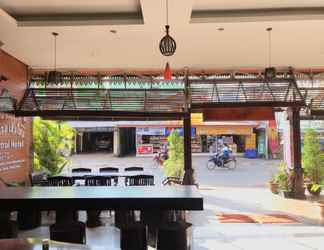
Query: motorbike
217	160
158	159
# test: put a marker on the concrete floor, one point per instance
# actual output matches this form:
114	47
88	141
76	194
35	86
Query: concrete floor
240	191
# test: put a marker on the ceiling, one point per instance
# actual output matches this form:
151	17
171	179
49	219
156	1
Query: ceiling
85	39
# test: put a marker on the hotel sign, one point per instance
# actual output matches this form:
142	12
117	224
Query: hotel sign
12	143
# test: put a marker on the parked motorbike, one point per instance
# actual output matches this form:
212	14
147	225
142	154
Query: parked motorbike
217	160
158	159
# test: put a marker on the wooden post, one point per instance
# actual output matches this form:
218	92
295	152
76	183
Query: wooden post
188	178
296	176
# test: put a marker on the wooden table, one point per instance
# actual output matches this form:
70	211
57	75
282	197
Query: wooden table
36	244
101	198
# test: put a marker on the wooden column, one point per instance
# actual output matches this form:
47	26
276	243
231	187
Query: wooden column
188	178
296	175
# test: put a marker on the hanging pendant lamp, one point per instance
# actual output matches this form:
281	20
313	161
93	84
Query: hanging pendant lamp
167	74
54	77
270	72
167	44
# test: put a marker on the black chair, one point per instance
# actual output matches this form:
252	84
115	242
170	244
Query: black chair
60	181
93	216
99	181
133	237
134	169
108	170
72	232
139	180
81	170
8	229
174	236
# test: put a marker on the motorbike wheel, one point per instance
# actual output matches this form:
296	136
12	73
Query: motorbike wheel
211	165
231	164
155	164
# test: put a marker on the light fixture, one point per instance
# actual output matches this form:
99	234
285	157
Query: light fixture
269	72
167	74
7	103
54	77
167	44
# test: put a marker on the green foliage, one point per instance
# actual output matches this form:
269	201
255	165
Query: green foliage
281	177
313	158
51	141
174	165
13	183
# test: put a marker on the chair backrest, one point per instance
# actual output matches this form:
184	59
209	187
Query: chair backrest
139	180
81	170
99	181
108	170
134	169
60	181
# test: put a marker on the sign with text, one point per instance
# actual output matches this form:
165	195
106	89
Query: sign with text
15	139
145	149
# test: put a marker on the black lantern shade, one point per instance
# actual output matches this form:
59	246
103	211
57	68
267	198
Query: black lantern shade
270	73
167	44
54	77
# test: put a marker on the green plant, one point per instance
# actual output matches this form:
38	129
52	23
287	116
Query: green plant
51	140
282	177
13	183
312	157
174	165
315	187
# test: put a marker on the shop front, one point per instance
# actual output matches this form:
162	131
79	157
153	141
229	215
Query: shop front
205	138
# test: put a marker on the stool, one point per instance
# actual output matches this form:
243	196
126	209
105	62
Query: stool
66	215
133	237
174	236
29	219
72	232
8	229
153	219
123	218
93	218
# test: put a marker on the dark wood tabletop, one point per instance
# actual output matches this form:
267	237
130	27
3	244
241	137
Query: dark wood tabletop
36	244
109	198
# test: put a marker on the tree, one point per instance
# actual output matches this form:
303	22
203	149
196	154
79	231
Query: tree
313	157
51	140
174	165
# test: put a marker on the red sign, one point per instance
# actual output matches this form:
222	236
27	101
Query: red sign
145	149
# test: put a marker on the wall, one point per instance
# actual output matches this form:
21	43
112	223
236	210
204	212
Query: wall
15	133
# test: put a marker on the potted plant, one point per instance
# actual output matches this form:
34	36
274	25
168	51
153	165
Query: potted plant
273	185
313	162
283	180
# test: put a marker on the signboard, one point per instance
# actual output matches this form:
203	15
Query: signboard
144	149
150	131
225	130
15	139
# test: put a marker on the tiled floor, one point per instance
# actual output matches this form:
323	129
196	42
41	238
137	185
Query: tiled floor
241	191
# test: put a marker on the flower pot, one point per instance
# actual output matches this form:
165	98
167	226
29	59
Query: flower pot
274	187
288	194
315	193
321	205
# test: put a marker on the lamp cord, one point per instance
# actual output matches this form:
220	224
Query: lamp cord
269	46
55	52
167	12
